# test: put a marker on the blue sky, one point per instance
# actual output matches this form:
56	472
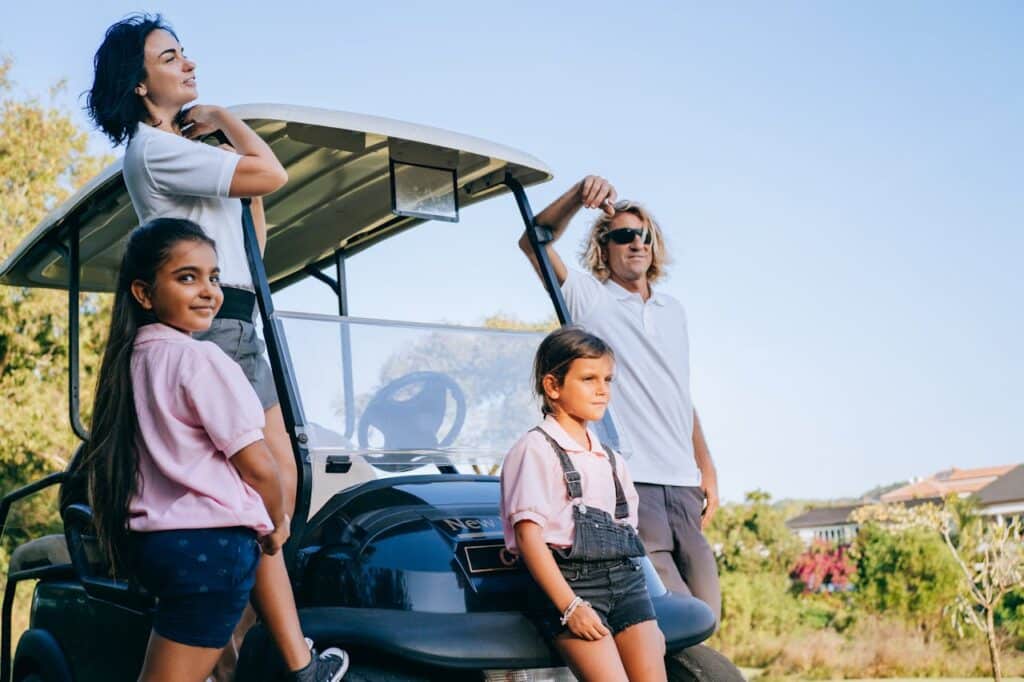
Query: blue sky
839	183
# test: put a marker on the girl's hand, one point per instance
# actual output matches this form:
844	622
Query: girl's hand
273	543
201	120
586	624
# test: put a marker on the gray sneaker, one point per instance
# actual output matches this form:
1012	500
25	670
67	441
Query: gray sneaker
328	666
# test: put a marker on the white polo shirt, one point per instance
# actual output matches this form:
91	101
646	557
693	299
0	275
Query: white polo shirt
169	176
651	404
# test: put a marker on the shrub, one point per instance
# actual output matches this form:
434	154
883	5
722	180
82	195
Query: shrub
753	538
823	567
907	573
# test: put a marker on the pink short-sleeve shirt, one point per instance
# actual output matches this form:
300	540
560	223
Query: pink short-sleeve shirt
533	487
195	410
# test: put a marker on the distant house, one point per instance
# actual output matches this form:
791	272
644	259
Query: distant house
999	492
953	481
831	524
1004	497
834	524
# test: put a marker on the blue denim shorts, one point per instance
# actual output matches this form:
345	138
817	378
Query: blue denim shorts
201	579
616	590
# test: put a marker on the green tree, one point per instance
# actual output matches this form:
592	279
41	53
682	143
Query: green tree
753	537
905	572
990	555
43	158
502	321
986	557
755	551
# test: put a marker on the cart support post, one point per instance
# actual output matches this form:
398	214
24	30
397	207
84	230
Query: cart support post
280	364
341	278
539	236
74	287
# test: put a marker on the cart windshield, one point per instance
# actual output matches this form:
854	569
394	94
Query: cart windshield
384	398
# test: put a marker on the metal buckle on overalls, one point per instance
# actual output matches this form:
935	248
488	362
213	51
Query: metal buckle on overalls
574	477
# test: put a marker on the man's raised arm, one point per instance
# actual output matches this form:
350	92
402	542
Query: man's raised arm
590	192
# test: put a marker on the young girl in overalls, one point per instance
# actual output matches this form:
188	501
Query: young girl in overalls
185	494
569	510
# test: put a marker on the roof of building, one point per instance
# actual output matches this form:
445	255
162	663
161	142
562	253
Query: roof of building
948	482
840	516
823	516
1007	488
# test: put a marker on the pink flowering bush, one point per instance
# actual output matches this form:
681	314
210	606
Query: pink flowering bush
823	567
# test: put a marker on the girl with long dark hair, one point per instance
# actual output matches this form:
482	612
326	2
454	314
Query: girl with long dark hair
185	494
569	508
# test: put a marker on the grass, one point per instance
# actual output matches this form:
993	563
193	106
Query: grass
755	673
871	649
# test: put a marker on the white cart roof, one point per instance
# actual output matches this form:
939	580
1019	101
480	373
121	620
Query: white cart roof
338	194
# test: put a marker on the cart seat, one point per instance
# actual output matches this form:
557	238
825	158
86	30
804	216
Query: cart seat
49	550
92	567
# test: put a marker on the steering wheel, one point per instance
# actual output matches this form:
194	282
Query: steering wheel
413	422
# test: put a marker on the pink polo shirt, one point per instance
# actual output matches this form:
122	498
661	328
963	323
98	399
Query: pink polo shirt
533	487
195	410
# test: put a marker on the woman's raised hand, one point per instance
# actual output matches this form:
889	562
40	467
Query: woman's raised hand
586	624
200	120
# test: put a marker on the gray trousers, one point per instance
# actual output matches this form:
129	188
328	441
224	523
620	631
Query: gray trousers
670	530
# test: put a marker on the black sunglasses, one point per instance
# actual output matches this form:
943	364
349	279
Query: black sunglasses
626	235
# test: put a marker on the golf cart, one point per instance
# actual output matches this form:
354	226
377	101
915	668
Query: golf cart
396	550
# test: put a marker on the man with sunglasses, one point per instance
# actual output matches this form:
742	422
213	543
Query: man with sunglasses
652	410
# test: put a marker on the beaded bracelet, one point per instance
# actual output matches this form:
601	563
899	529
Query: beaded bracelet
571	608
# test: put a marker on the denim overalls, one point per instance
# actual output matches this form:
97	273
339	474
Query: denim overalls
598	536
599	565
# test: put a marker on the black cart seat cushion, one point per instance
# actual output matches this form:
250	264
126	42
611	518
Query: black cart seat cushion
49	550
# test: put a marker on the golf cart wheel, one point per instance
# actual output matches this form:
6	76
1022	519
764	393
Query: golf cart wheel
701	664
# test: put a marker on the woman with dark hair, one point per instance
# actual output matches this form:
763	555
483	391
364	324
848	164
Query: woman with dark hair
143	82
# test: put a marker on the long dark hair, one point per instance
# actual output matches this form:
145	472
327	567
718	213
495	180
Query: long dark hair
118	67
109	465
556	353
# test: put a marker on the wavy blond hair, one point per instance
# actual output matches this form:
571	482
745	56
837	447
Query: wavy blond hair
594	258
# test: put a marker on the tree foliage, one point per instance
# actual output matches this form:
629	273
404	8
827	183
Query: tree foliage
904	572
753	537
986	557
43	158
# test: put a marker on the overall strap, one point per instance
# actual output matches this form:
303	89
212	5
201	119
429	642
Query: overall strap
621	506
572	477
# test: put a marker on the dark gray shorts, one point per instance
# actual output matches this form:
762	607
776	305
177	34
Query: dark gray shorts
616	590
241	343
